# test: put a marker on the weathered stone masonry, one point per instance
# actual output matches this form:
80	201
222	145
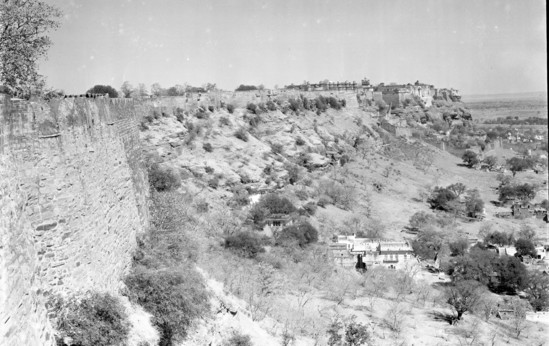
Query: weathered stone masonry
72	199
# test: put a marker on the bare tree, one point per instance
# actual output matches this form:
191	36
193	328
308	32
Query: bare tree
463	296
395	317
518	319
127	89
487	306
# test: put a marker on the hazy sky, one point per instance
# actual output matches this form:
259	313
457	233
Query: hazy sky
479	47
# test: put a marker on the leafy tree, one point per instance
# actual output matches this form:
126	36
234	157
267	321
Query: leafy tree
527	232
245	244
421	219
209	87
427	244
474	205
174	297
537	288
525	247
523	192
172	91
490	161
503	179
243	87
127	89
157	90
476	265
470	158
24	41
458	189
463	296
141	90
103	89
96	319
512	274
441	198
498	238
518	164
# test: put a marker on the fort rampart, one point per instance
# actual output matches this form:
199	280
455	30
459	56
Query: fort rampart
73	197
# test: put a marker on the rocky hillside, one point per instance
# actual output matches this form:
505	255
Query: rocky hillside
356	175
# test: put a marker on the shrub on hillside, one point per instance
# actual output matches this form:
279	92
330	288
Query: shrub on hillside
320	104
230	108
244	244
211	109
299	141
324	200
179	114
341	195
299	234
295	104
238	339
344	159
277	148
271	106
208	147
224	121
201	115
97	319
162	179
213	183
175	298
310	208
241	197
254	121
252	107
293	172
241	134
333	102
143	126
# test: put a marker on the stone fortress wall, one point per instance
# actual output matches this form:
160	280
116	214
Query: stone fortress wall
73	197
241	98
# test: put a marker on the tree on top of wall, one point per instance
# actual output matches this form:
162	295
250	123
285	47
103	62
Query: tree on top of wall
24	41
103	89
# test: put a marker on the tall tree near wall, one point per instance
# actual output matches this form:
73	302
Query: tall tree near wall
127	89
24	25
